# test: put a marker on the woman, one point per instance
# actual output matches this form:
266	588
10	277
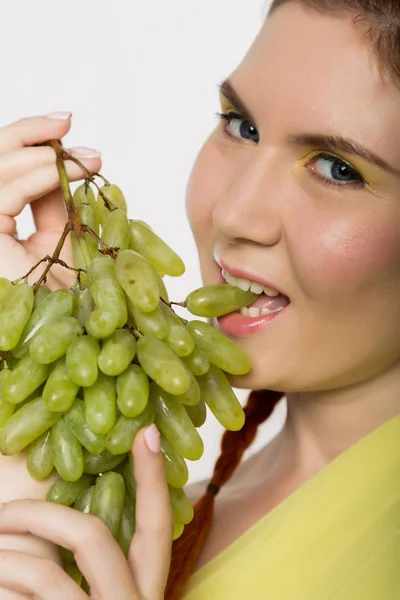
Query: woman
297	190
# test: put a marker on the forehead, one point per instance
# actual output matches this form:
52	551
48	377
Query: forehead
308	71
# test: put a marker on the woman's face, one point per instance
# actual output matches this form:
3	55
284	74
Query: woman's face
259	206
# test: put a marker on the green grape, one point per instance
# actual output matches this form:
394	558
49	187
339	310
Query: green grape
88	217
67	452
217	300
178	337
122	435
115	196
15	311
221	400
223	353
137	279
161	286
111	312
81	359
83	502
127	525
155	250
6	411
108	500
59	391
116	231
68	492
178	530
182	508
192	396
100	463
72	570
117	352
39	457
197	362
84	305
129	478
25	426
84	195
41	294
132	391
161	364
52	341
78	256
23	380
150	323
6	408
175	424
100	404
175	466
57	304
197	413
76	421
5	288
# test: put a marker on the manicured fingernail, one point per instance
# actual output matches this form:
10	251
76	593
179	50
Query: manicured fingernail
152	437
62	115
84	152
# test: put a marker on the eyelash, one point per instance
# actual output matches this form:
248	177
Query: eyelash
360	183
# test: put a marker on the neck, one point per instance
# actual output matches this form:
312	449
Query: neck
322	425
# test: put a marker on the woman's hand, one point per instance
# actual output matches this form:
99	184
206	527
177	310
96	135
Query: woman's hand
109	574
29	175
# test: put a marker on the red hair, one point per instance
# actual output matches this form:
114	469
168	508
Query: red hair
187	549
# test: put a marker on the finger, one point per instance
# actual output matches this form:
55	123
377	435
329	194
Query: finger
35	184
16	163
150	551
97	554
7	594
49	212
32	130
8	225
27	574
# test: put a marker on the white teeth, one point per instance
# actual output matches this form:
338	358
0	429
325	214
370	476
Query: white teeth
246	285
270	292
267	311
243	284
254	312
244	311
256	288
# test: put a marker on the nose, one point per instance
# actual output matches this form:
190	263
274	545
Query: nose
250	209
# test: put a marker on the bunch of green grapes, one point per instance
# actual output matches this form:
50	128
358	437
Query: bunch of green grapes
82	370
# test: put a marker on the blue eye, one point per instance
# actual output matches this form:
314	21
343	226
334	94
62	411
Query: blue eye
335	171
237	127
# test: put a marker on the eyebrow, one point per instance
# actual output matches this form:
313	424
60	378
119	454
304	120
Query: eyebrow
329	142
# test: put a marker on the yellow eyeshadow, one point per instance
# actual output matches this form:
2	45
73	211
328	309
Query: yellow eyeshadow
372	175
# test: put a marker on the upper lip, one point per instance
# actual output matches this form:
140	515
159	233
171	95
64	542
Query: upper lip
235	272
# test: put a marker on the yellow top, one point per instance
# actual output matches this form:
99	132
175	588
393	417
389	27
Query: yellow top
337	537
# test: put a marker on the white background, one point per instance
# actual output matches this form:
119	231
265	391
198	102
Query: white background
141	80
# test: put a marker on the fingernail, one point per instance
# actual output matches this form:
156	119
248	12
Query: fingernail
1	504
152	437
63	115
84	152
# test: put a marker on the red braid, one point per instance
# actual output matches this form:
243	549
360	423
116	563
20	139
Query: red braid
187	549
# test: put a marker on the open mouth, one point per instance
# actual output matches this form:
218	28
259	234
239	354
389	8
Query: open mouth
270	301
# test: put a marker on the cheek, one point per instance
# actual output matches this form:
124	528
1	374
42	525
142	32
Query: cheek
351	254
207	184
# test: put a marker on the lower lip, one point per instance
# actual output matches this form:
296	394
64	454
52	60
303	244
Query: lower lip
237	325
